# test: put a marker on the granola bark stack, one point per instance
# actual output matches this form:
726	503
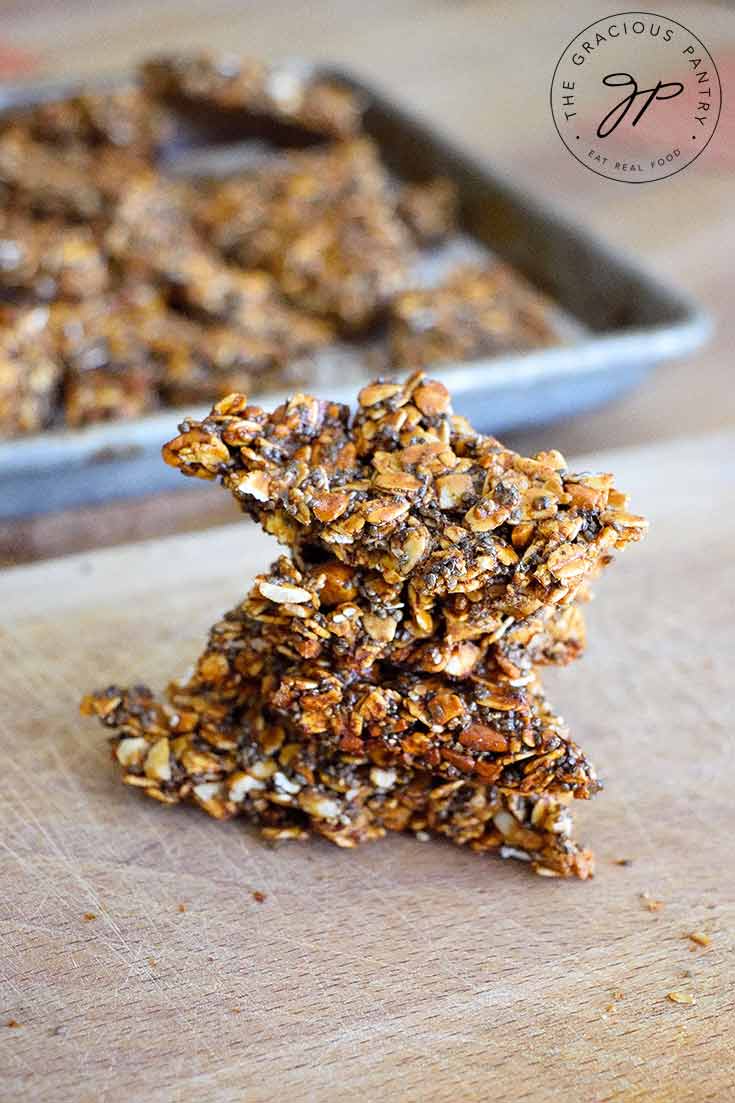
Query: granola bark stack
385	674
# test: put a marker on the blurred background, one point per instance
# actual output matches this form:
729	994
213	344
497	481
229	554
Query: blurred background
480	73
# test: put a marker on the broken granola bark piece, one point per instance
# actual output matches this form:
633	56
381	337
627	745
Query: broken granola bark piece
123	118
44	260
80	185
30	372
324	223
351	618
150	221
484	726
202	285
108	371
253	217
429	210
476	312
202	363
411	491
348	265
318	105
293	789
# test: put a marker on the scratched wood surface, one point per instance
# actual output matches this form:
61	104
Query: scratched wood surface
406	970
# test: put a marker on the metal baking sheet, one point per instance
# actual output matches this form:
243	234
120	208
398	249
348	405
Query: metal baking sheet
618	322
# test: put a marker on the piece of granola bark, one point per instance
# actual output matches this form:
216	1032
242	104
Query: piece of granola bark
122	118
45	260
80	184
429	209
30	372
476	312
293	789
108	371
253	217
318	105
485	726
411	491
324	224
351	618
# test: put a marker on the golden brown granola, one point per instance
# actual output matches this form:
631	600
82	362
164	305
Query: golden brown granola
309	245
477	312
108	372
78	184
46	260
119	117
290	789
484	725
324	223
384	676
411	491
429	209
30	373
351	617
224	83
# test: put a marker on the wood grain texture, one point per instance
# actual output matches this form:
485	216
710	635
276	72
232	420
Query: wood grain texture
407	970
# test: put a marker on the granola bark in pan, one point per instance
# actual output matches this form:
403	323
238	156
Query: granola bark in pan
108	371
325	224
429	210
45	260
83	185
291	789
408	490
250	301
351	618
310	245
253	217
121	117
30	373
203	363
478	311
318	105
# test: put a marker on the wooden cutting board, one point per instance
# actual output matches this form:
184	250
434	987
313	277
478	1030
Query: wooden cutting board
405	970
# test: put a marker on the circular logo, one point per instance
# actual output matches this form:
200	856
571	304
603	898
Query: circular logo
636	97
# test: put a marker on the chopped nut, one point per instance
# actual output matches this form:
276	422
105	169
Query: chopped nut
479	737
432	398
681	997
283	594
383	779
379	628
378	392
158	761
699	937
131	751
255	483
453	490
321	807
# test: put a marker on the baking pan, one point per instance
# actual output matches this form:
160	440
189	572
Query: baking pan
621	323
